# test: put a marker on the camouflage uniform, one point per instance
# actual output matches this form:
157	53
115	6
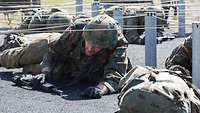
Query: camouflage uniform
181	55
147	90
28	51
20	50
53	20
67	59
23	52
134	21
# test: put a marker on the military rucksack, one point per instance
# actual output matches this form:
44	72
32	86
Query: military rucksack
148	90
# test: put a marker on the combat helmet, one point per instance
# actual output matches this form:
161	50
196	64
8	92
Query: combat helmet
58	21
103	31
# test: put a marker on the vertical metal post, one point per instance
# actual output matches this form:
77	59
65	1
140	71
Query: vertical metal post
118	15
79	7
95	8
150	38
181	18
196	53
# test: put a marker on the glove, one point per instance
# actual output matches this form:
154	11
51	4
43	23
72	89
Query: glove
92	93
38	80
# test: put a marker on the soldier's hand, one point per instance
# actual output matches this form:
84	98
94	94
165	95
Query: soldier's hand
38	80
92	93
40	77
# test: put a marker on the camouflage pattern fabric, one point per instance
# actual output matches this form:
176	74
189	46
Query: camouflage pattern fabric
134	21
58	22
133	35
147	90
181	55
31	54
67	60
103	38
46	20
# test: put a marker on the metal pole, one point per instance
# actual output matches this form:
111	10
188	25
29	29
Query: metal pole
181	18
196	53
79	7
118	15
150	38
95	8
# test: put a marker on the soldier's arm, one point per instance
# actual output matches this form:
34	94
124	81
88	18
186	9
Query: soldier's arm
117	67
181	55
60	49
178	57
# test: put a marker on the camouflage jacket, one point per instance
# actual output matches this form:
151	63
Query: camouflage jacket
181	55
66	59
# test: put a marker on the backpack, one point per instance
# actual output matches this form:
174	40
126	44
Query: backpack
148	90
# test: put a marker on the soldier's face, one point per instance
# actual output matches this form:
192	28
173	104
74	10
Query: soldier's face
90	49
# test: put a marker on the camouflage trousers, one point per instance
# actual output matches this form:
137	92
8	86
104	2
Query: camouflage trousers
30	56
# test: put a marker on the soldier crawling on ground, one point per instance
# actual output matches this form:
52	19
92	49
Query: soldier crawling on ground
45	20
134	23
93	51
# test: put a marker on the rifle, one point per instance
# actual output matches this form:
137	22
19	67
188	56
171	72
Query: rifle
37	83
